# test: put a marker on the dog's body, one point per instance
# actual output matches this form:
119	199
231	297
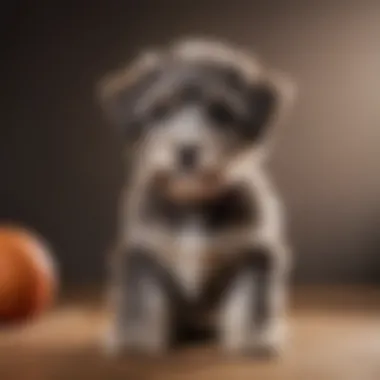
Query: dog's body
201	230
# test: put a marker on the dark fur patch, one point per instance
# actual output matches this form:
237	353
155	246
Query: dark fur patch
231	209
210	87
257	262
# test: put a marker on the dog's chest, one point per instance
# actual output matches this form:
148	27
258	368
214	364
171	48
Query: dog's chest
192	255
194	238
233	209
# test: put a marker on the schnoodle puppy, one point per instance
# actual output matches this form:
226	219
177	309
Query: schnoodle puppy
201	234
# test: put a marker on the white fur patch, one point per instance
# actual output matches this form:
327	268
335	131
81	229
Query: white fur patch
190	260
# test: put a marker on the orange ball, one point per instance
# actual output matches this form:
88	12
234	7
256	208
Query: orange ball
27	275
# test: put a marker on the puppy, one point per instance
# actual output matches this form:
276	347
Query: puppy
201	230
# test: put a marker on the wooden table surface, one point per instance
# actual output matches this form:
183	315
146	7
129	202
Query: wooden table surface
335	335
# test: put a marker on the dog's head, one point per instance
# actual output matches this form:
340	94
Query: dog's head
191	112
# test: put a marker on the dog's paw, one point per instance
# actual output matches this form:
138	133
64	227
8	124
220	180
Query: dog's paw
113	342
267	342
270	341
110	344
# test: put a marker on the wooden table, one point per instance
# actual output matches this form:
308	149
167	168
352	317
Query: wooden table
335	335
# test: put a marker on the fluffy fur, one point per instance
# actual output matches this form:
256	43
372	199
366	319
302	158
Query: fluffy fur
201	229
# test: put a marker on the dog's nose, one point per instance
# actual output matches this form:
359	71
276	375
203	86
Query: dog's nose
188	156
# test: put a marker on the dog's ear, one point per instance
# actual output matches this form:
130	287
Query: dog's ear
119	91
269	100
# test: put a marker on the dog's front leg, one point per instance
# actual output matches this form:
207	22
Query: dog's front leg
251	318
140	320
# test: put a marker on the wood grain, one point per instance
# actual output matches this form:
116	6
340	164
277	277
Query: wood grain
335	335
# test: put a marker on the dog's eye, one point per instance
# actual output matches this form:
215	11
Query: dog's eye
132	130
191	94
234	80
159	112
221	113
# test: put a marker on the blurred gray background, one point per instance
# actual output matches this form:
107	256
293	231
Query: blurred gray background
60	162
